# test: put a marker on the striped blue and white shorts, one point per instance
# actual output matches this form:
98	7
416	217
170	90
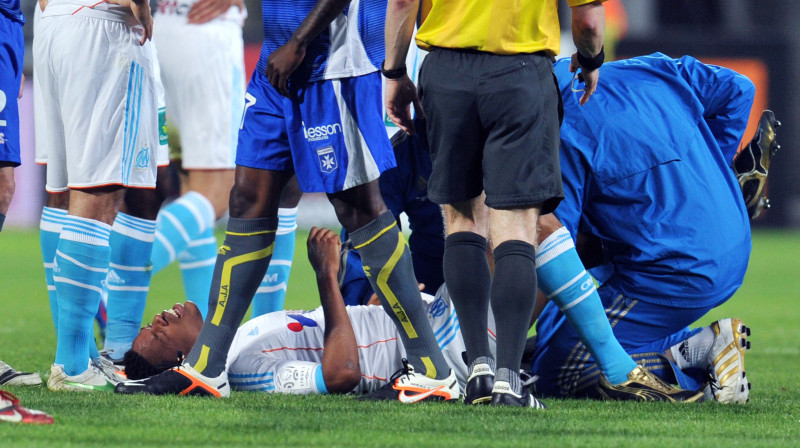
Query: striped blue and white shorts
99	97
331	133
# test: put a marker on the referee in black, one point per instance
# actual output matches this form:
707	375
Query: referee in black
488	92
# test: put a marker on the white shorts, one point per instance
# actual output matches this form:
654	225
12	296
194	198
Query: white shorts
99	101
202	67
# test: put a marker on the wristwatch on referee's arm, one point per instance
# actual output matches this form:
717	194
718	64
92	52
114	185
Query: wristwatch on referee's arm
394	73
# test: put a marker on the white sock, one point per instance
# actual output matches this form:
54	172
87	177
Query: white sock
693	352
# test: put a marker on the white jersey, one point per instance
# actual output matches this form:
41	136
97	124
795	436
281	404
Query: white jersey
282	351
90	8
177	10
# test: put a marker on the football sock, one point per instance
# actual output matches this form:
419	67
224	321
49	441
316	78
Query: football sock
387	263
128	280
272	292
197	268
180	222
513	295
564	280
2	220
467	276
241	264
511	377
49	231
81	265
693	352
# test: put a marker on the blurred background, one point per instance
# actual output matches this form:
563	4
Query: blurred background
758	38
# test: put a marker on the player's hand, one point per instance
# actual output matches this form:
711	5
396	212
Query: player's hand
324	246
21	87
401	93
140	10
282	63
590	78
206	10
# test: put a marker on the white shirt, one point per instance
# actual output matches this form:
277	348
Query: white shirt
282	351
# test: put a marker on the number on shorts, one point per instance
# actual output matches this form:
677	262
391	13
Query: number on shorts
2	106
249	100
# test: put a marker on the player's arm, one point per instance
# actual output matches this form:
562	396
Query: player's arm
206	10
726	97
401	16
588	32
341	370
285	60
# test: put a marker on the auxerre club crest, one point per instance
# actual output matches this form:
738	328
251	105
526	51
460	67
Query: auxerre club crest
327	159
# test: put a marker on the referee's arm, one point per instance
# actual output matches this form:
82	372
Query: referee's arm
588	32
401	17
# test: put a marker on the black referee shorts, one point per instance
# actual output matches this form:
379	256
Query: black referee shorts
493	125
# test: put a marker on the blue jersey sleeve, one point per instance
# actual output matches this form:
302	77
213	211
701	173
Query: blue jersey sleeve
726	97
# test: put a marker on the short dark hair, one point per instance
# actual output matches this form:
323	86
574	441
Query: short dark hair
136	367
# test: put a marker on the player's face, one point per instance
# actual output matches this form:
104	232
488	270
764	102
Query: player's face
172	331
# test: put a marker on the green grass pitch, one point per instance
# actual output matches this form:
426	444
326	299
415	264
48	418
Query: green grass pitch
768	302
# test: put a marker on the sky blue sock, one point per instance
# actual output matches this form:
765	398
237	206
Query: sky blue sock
128	280
564	280
272	291
81	265
197	268
179	223
49	231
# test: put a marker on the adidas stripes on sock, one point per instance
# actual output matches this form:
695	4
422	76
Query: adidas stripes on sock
81	265
49	231
180	222
197	268
128	280
693	352
564	280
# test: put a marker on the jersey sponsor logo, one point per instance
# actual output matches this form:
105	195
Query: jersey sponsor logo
327	159
163	139
174	7
404	398
2	138
143	158
300	322
317	133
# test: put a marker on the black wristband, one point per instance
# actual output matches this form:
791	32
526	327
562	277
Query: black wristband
394	73
593	63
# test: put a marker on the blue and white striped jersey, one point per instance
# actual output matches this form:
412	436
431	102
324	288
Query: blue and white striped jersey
351	46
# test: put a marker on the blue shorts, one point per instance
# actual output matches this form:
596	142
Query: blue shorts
11	55
331	134
645	330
